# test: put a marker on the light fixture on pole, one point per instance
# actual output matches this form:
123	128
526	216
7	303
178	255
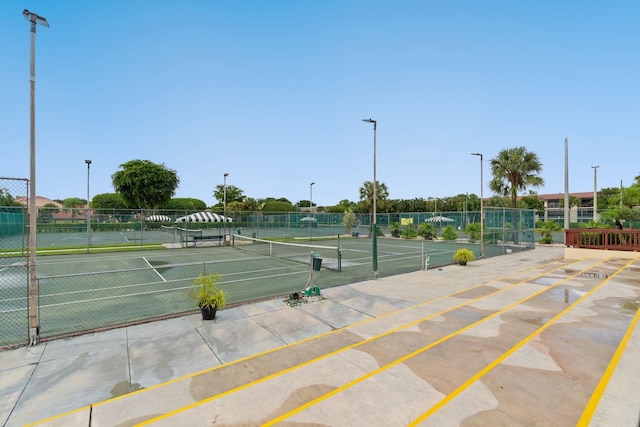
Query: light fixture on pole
310	209
88	162
34	324
224	208
374	230
481	208
595	193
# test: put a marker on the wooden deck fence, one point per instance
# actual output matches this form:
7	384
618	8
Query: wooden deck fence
603	238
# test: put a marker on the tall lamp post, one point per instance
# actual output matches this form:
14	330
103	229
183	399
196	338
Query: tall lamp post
88	162
224	208
481	207
310	209
374	229
595	193
34	325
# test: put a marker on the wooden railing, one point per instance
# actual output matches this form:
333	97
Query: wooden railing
603	238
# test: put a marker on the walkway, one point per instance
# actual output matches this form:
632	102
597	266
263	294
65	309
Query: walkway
527	338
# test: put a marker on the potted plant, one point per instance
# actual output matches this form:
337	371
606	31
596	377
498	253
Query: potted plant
208	296
463	255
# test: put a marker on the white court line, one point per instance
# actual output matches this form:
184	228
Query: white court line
154	269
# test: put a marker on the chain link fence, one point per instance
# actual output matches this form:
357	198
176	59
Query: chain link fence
13	262
74	300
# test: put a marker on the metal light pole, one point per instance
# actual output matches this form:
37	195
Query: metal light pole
481	207
310	209
567	208
595	193
88	162
34	324
374	229
224	208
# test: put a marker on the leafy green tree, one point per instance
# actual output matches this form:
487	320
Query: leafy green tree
347	204
108	201
473	203
278	206
73	202
349	221
144	184
251	204
186	204
532	201
607	197
624	207
514	170
234	194
336	209
6	199
497	202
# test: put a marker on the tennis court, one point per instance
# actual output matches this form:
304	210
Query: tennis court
84	292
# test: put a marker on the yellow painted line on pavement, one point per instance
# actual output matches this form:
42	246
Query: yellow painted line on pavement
373	338
417	352
360	323
591	407
513	349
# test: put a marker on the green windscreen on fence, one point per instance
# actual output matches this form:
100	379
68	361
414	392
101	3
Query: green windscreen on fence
12	222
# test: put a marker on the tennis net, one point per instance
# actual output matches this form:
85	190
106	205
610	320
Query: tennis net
168	229
297	252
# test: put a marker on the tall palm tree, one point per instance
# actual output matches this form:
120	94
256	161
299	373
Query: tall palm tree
514	170
366	197
366	194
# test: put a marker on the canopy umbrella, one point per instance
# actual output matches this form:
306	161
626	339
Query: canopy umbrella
308	218
204	217
158	218
439	219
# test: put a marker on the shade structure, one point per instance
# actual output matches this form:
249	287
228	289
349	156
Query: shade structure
439	219
203	217
158	218
308	218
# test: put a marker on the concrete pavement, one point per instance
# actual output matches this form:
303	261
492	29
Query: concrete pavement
527	338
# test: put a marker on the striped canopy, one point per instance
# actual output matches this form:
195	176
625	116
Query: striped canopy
439	219
203	217
158	218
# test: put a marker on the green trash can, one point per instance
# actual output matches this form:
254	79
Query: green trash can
317	263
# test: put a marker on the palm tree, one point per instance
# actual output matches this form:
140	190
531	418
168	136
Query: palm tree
514	170
366	196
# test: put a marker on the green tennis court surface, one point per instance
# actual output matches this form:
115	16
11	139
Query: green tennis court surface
83	292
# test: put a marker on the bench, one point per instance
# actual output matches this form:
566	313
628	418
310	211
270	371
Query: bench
196	239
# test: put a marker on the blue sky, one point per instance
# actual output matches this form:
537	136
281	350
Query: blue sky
273	93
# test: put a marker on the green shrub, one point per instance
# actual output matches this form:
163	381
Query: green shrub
473	230
426	230
463	255
409	233
449	233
